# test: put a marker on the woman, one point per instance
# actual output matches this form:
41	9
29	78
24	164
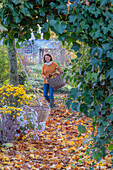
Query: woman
49	67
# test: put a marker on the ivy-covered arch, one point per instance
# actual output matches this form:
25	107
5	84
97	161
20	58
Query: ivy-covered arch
89	21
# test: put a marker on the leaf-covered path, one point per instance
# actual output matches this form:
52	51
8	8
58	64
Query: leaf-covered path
57	148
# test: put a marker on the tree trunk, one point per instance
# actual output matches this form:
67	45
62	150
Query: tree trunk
13	75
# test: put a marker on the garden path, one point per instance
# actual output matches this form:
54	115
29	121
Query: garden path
58	148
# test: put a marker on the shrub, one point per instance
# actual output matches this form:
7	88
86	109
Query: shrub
8	123
11	98
13	120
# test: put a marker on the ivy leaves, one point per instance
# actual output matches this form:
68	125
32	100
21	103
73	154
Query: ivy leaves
91	74
71	102
14	15
94	99
58	26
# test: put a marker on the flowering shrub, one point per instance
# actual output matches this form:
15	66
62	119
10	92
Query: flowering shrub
28	121
13	96
13	120
8	123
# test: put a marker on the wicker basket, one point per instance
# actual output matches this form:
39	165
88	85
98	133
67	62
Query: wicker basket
42	112
57	82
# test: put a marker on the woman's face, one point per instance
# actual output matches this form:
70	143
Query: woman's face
47	58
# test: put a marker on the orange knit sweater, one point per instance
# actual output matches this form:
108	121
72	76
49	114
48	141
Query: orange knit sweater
49	69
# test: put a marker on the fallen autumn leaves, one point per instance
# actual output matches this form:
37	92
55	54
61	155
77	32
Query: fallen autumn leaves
58	147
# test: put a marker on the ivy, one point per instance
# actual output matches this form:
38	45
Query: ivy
84	26
81	128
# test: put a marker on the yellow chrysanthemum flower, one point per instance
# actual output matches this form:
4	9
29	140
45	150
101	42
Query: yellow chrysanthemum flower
18	114
19	109
20	102
8	94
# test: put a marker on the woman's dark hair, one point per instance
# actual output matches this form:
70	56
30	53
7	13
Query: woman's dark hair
51	57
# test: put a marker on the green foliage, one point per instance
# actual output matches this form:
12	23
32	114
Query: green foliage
81	128
90	22
92	73
4	66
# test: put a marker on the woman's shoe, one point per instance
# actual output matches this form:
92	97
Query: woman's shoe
51	103
48	100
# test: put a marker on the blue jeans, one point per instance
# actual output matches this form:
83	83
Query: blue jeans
47	88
